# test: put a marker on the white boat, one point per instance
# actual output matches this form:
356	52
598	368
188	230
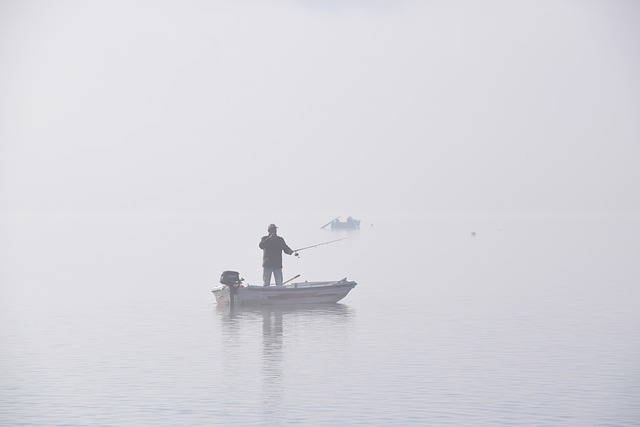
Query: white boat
349	224
288	294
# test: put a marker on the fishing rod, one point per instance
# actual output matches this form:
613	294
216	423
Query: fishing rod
314	246
294	277
335	219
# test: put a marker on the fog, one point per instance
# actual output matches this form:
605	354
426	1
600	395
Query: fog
355	107
146	145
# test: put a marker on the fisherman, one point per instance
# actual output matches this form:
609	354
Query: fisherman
272	247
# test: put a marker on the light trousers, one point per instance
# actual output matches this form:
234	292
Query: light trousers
266	276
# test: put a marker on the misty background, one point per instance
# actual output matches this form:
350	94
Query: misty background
354	107
491	150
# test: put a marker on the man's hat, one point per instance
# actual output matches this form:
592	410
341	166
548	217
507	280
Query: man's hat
272	227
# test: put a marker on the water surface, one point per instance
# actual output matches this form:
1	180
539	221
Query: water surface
531	321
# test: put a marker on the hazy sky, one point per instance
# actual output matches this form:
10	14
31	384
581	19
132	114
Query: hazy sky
349	107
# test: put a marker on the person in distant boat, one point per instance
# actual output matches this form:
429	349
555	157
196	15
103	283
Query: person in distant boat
272	248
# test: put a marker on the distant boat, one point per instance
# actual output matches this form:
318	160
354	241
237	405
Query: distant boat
349	224
288	294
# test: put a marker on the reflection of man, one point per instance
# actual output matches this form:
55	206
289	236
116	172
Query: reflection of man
272	247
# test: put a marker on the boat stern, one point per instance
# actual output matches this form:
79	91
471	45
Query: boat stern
221	293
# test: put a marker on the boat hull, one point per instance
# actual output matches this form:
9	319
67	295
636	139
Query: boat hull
292	294
353	225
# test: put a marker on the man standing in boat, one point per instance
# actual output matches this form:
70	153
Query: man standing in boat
272	247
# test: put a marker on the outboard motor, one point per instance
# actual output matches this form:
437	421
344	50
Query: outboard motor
233	281
230	278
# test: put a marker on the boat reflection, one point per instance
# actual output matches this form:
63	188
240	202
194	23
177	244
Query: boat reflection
294	309
289	334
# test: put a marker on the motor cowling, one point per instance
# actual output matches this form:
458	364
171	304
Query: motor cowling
230	278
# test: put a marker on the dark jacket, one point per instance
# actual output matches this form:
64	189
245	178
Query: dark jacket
272	251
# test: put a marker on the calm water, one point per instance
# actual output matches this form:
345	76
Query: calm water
109	321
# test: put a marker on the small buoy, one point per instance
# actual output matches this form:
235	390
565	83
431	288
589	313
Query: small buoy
473	234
